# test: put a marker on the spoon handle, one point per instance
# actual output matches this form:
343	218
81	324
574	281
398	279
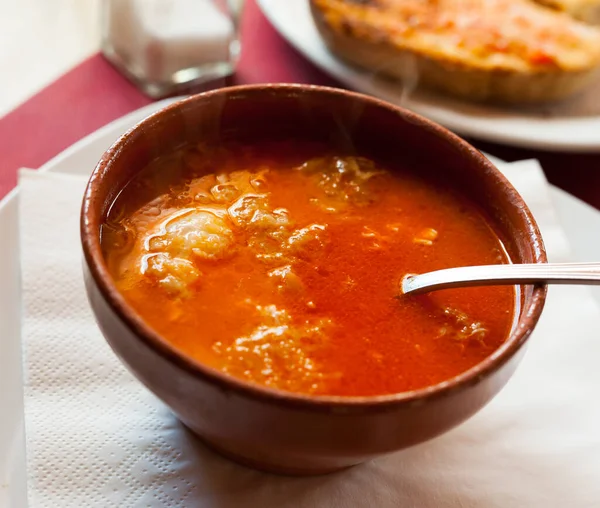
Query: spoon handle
493	275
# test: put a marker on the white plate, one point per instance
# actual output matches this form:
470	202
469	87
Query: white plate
571	126
577	218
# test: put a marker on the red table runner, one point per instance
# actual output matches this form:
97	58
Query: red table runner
94	93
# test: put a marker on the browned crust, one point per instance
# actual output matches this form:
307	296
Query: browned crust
587	11
458	79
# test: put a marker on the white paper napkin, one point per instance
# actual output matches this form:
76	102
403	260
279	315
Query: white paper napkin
97	438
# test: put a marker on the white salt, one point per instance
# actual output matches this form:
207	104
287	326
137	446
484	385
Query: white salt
158	38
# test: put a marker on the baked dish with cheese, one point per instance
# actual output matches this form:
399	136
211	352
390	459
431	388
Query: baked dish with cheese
501	50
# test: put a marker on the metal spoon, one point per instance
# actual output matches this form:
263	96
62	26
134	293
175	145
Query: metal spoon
493	275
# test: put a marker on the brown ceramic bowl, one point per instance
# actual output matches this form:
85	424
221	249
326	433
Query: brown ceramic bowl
275	430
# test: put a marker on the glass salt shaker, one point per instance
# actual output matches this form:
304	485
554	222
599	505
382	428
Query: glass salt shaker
166	45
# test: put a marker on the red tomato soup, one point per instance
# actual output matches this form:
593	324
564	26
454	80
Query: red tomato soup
279	263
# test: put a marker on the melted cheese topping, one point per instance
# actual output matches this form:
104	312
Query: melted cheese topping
511	34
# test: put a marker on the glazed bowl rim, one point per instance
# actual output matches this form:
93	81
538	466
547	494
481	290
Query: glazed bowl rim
90	225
